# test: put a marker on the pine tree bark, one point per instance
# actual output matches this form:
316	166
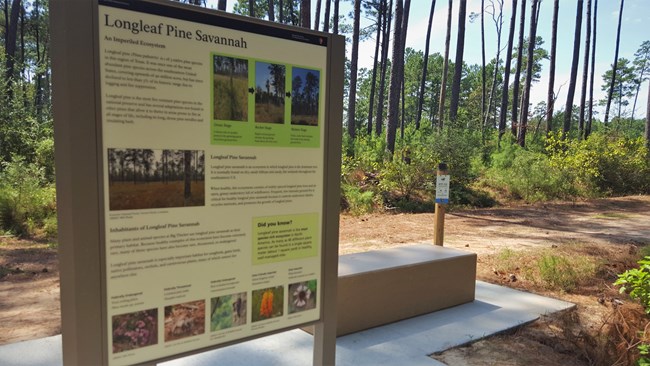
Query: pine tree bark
445	68
498	22
251	8
384	68
506	77
305	14
353	71
271	11
593	73
403	31
458	67
281	11
585	74
395	82
647	122
515	87
615	65
550	98
425	67
10	46
335	28
483	73
373	83
574	71
222	5
532	37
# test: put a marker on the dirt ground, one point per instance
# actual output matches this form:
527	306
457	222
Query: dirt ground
612	229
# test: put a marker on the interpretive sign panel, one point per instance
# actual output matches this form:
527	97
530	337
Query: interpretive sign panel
212	163
442	188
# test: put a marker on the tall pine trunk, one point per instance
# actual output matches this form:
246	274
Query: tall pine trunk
568	109
395	82
615	65
425	66
532	37
326	17
373	83
335	28
10	46
515	87
498	20
506	77
353	71
550	98
458	67
305	13
384	67
403	31
445	68
585	73
483	74
593	73
647	122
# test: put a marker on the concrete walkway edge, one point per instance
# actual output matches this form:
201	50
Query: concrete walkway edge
408	342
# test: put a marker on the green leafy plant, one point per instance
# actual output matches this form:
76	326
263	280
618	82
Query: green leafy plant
27	199
636	282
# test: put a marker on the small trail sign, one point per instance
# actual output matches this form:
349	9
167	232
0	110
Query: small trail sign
442	189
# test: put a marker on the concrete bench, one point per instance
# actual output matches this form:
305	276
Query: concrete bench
384	286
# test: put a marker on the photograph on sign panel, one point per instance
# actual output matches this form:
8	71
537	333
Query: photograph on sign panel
184	320
135	330
228	311
302	296
149	178
269	92
305	93
230	88
268	303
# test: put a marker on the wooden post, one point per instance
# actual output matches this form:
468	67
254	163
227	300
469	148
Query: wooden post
442	198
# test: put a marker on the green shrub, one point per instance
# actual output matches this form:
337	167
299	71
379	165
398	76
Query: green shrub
636	282
528	175
358	202
603	164
27	200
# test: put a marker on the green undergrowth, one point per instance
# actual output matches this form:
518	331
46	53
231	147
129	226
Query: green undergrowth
483	174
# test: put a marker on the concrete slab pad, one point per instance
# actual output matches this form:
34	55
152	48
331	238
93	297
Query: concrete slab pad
407	342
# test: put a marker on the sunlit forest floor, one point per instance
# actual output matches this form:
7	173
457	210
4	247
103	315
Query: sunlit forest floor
129	196
607	236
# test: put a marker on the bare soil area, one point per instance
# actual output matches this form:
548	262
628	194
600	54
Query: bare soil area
611	230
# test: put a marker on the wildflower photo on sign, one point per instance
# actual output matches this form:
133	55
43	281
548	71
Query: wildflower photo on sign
268	303
135	330
302	296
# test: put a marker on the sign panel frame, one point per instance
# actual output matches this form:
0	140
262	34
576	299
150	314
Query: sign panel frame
82	139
